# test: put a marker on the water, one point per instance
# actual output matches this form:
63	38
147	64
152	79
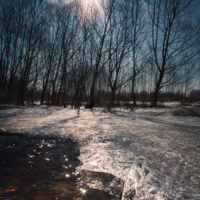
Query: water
42	168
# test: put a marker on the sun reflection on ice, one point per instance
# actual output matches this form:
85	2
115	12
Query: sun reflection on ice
83	191
93	163
31	156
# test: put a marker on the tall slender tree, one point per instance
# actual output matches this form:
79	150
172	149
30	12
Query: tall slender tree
173	40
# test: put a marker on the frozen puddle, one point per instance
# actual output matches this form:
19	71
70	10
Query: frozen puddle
45	168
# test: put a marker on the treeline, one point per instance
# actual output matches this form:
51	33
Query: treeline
55	53
103	98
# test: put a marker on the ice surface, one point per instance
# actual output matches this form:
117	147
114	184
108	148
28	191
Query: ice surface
184	111
2	107
156	152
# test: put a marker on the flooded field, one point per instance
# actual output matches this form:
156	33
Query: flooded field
45	168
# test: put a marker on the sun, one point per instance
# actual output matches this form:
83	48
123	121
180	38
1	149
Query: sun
91	7
85	9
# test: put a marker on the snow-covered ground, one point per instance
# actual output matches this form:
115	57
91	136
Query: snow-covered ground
155	151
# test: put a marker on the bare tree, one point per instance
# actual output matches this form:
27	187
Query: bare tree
117	50
101	30
70	43
11	54
138	39
173	40
51	51
30	39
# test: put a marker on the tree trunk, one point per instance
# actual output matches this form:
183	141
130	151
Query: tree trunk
92	88
32	99
10	91
42	96
58	98
113	90
21	95
64	97
53	102
133	92
155	97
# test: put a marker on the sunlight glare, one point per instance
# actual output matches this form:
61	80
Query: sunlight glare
83	191
86	8
92	5
93	163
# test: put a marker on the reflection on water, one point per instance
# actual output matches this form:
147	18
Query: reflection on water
100	186
45	168
38	168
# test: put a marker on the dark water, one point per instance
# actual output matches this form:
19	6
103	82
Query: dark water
42	168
